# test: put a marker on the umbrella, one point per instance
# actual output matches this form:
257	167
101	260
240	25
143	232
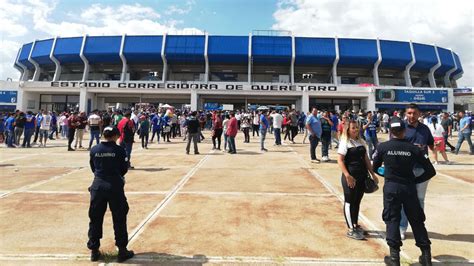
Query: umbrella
262	108
166	106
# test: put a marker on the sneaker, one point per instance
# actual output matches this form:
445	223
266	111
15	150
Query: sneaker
70	149
403	234
315	160
354	234
125	255
435	163
263	149
196	153
325	159
359	229
95	255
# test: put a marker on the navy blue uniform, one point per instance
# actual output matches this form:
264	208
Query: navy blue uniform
400	157
109	164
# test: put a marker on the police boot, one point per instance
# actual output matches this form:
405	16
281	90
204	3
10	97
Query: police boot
95	255
425	258
394	258
124	254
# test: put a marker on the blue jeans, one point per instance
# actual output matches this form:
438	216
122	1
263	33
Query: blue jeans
371	144
95	134
27	138
263	134
421	193
313	141
461	138
65	131
10	137
277	133
128	150
325	141
232	147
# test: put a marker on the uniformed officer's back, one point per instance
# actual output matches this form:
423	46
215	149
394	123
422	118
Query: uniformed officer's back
107	162
400	158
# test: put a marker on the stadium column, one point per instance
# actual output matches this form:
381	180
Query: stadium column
206	58
450	100
408	67
371	100
305	101
447	81
431	77
20	99
123	76
376	65
194	100
85	76
87	100
293	56
336	61
18	67
163	57
249	74
57	72
37	73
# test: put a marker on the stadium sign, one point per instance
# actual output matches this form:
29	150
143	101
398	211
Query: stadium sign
192	86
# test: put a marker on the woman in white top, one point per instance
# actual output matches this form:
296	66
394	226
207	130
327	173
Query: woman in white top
438	134
356	167
224	125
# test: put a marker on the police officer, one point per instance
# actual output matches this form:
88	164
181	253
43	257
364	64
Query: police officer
399	157
109	163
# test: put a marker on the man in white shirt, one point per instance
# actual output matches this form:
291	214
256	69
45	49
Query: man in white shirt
45	125
385	119
277	123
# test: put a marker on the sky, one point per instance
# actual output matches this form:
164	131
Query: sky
448	24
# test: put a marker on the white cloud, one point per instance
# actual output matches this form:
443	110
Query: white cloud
447	24
23	21
185	9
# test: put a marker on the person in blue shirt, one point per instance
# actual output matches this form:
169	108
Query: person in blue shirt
335	124
54	126
465	131
39	117
29	129
9	128
370	133
263	129
313	125
418	134
156	127
301	122
2	128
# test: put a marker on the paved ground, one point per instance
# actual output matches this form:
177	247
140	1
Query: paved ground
217	208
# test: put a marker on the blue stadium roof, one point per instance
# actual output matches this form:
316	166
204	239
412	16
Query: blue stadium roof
271	50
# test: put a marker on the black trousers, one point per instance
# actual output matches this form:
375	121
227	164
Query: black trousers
352	199
255	129
70	136
294	132
217	136
119	208
395	196
313	143
246	134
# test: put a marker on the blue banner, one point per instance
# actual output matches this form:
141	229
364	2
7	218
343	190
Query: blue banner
411	96
8	96
212	106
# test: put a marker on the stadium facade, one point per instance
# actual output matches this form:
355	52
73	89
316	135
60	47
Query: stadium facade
91	72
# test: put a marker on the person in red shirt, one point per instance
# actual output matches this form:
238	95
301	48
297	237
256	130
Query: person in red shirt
73	123
231	132
216	130
126	128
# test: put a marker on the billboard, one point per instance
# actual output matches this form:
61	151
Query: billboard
8	96
411	95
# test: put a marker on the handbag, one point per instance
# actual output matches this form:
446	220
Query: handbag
370	185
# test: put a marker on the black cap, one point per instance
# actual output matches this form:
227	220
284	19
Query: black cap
397	123
111	131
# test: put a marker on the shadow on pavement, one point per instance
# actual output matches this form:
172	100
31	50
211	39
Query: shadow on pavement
151	169
454	237
153	258
448	260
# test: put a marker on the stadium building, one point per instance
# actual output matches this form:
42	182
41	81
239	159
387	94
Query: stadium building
206	71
